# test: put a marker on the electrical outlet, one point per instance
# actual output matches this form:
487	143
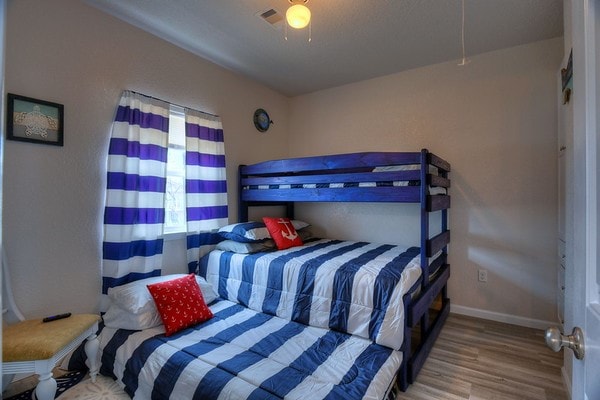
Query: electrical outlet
482	275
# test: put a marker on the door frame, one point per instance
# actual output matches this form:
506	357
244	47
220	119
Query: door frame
582	277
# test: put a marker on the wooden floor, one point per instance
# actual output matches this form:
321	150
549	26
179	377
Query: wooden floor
472	359
478	359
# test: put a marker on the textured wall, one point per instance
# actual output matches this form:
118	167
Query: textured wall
495	120
67	52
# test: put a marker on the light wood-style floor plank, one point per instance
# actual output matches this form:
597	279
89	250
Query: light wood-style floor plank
476	359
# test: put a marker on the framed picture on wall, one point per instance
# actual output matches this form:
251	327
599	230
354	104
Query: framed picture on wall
33	120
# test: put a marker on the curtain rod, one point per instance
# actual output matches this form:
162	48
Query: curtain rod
175	104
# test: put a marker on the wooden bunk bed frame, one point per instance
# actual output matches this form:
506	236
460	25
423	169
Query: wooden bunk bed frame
350	169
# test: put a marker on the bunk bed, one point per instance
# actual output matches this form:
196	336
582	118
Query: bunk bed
402	177
249	351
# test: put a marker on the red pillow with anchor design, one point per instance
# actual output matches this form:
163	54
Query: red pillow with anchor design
283	232
180	303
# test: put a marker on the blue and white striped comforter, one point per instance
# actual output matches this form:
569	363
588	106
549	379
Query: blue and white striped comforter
352	287
244	354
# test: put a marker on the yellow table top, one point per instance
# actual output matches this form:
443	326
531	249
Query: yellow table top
35	340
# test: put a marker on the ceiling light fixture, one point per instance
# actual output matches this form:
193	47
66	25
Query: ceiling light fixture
298	15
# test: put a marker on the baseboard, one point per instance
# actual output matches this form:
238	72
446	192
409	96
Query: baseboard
499	317
566	381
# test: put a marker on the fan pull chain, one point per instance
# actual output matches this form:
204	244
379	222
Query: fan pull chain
464	60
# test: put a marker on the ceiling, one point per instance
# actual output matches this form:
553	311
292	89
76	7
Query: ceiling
352	40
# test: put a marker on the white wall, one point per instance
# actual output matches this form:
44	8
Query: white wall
70	53
495	121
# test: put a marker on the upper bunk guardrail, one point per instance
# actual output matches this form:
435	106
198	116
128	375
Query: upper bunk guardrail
409	194
321	178
331	163
333	178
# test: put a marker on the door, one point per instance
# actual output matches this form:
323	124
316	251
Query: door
582	295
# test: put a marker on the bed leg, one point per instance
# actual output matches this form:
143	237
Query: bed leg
418	359
403	379
402	375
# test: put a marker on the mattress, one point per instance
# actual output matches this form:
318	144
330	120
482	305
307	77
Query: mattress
432	190
347	286
244	354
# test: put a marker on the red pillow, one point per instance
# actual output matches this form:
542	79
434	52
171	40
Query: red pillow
179	303
283	232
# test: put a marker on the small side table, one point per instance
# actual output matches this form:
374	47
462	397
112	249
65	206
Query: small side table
35	346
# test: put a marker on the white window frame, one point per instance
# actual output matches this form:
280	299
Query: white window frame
175	202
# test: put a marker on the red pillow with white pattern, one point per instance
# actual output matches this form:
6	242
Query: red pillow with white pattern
283	232
179	303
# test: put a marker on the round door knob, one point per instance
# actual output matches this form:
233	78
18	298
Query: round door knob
556	340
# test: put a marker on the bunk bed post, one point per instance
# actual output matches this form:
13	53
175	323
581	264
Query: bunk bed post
445	299
242	205
424	235
431	289
445	220
402	377
289	209
444	174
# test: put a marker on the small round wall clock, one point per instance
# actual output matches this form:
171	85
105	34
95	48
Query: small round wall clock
262	120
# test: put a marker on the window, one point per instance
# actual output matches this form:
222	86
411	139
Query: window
175	221
137	174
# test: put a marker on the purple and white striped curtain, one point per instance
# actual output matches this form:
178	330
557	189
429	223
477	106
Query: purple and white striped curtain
206	184
134	213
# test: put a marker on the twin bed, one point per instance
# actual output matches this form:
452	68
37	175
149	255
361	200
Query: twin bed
330	319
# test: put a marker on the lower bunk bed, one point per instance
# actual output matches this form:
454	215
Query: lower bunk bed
245	354
366	290
351	287
327	319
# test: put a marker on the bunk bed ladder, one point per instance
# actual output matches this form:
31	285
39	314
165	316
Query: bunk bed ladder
418	311
242	205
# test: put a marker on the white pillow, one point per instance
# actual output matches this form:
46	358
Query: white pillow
245	248
245	232
252	231
135	298
117	318
407	167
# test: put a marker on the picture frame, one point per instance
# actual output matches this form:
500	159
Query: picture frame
567	73
567	79
34	121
